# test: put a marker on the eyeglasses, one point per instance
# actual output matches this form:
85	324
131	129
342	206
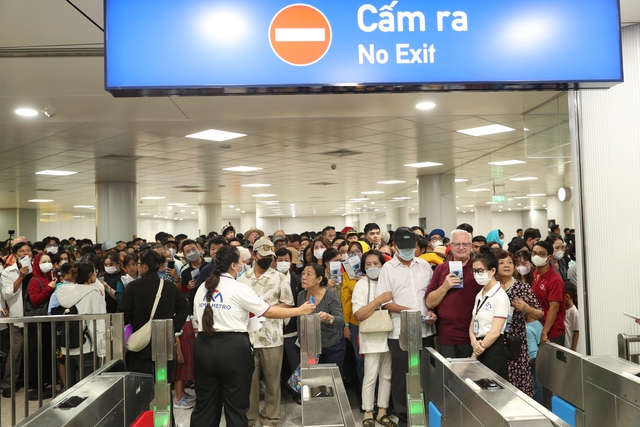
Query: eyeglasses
543	255
479	270
461	245
435	239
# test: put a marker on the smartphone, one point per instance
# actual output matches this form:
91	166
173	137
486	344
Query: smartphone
171	264
488	384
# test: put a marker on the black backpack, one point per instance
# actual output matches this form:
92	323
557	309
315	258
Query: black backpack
74	328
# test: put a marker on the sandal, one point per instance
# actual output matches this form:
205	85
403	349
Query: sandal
386	421
368	422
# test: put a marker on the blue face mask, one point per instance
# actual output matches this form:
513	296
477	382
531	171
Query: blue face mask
406	254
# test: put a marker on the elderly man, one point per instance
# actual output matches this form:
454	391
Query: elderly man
453	298
252	235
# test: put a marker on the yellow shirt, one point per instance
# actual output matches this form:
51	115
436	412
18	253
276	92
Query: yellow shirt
432	258
347	291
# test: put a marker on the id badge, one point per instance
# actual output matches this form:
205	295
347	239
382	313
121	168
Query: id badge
507	328
476	327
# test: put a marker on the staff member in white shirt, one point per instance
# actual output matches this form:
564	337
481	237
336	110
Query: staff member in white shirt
223	356
490	313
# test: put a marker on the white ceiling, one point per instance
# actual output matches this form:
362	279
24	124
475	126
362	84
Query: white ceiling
286	136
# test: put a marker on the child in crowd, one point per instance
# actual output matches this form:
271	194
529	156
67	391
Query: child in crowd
571	328
534	334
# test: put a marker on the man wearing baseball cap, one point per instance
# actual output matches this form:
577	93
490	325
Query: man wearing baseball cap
268	341
407	278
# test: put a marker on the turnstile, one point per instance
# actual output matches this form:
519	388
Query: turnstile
604	390
324	398
108	397
465	393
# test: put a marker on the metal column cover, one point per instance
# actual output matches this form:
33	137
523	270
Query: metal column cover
310	344
162	344
411	342
560	370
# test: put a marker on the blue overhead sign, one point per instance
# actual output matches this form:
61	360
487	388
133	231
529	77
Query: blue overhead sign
169	44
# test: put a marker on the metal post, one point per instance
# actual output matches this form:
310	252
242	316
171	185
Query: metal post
411	342
25	352
54	357
40	385
310	344
117	337
162	342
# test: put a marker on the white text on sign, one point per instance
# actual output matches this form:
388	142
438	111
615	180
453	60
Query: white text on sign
404	54
402	21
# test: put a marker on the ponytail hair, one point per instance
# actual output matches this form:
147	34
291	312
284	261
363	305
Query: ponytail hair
225	257
83	271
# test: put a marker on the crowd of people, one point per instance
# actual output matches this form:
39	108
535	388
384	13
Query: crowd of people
235	300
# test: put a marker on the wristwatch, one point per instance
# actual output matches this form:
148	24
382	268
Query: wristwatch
331	320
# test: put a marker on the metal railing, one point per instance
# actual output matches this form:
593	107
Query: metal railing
624	347
112	324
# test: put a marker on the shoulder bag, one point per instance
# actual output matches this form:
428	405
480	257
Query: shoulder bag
140	338
379	321
30	310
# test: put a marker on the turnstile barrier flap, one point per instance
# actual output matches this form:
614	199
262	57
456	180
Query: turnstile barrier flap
560	370
329	407
614	375
432	376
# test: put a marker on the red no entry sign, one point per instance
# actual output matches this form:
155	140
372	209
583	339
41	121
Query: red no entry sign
300	34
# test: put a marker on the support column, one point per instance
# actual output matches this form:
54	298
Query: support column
210	218
115	211
482	221
437	202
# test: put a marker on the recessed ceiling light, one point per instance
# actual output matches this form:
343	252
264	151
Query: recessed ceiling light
263	195
461	180
242	169
373	203
40	200
56	173
181	219
401	198
536	195
243	211
216	135
177	204
524	178
181	210
392	181
361	199
48	214
507	163
256	185
499	210
423	165
372	192
519	204
78	216
486	130
153	198
84	206
231	206
143	214
428	105
476	190
521	197
526	130
26	112
193	213
170	208
237	209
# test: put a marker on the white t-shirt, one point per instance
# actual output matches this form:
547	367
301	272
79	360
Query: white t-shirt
494	304
373	342
231	303
570	325
408	286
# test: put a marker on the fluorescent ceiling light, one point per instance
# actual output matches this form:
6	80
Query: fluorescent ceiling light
177	204
256	185
536	195
507	163
475	190
524	178
143	214
216	135
242	169
428	105
401	198
78	216
423	165
392	181
372	192
26	112
461	180
84	206
40	200
56	173
263	195
521	197
48	214
153	198
486	130
360	199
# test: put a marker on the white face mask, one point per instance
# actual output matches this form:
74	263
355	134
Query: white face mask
110	270
46	267
318	254
523	269
52	250
482	279
283	266
539	261
173	252
373	272
436	243
558	255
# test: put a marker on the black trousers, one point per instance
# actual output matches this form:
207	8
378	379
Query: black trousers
223	366
495	358
399	370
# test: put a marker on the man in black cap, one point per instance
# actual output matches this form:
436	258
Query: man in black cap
406	278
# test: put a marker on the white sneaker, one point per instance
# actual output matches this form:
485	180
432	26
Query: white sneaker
183	403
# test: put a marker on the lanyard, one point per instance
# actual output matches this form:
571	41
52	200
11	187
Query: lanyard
480	304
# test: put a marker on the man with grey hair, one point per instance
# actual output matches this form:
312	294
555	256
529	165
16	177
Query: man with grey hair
452	298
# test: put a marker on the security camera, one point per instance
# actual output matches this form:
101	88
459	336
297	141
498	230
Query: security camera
333	166
49	113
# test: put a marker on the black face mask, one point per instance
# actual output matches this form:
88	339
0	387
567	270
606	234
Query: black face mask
264	263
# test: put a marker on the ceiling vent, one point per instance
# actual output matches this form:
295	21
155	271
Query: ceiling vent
323	183
121	157
48	190
342	153
187	186
194	191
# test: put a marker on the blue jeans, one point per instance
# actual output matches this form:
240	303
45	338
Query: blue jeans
355	331
537	388
334	354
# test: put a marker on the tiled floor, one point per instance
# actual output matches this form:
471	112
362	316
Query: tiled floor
5	408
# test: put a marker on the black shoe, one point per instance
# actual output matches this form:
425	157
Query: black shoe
7	391
47	393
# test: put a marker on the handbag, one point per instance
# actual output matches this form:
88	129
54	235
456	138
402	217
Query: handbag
379	321
140	338
30	310
513	346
